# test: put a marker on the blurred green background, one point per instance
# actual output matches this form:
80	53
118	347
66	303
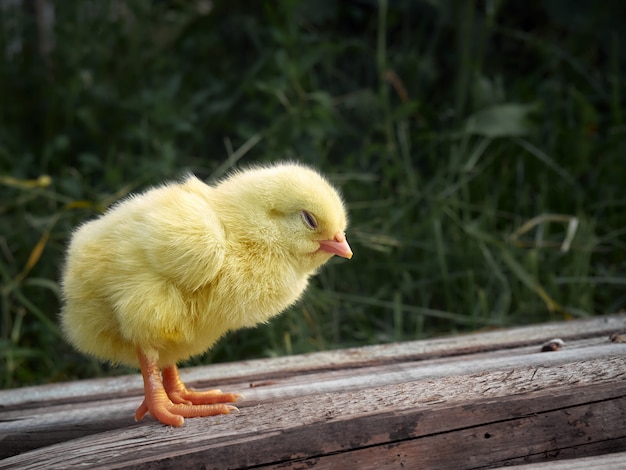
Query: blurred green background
480	146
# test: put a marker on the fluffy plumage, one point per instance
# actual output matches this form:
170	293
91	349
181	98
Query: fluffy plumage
163	275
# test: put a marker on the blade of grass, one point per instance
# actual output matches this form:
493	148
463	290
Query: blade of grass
234	157
526	279
42	317
37	250
544	158
428	312
503	304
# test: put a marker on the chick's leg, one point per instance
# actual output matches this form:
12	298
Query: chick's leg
178	393
158	404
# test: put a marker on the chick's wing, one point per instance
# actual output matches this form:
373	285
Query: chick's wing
131	273
183	236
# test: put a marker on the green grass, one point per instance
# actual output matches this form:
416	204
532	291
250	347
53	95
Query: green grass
479	146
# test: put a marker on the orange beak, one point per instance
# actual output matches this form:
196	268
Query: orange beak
337	246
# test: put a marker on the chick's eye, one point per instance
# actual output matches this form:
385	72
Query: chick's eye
309	220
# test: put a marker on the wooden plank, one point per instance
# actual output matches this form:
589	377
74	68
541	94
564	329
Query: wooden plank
504	405
434	413
36	427
261	369
372	430
615	461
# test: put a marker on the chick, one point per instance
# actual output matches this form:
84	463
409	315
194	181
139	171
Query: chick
162	275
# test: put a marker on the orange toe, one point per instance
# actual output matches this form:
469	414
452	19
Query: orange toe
169	401
178	393
141	411
191	397
173	414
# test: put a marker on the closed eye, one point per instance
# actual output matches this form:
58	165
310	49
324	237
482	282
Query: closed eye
309	220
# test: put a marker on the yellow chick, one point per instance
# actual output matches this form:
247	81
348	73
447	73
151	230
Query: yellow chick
164	274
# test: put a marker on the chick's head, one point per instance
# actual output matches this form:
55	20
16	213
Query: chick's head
289	210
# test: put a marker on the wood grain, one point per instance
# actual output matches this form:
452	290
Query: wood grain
476	401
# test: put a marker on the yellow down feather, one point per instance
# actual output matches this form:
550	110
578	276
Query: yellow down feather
174	268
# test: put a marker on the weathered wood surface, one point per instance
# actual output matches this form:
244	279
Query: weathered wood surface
476	401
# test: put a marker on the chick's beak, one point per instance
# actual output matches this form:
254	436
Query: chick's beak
337	246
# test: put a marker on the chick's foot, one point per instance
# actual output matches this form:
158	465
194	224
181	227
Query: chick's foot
178	393
172	412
